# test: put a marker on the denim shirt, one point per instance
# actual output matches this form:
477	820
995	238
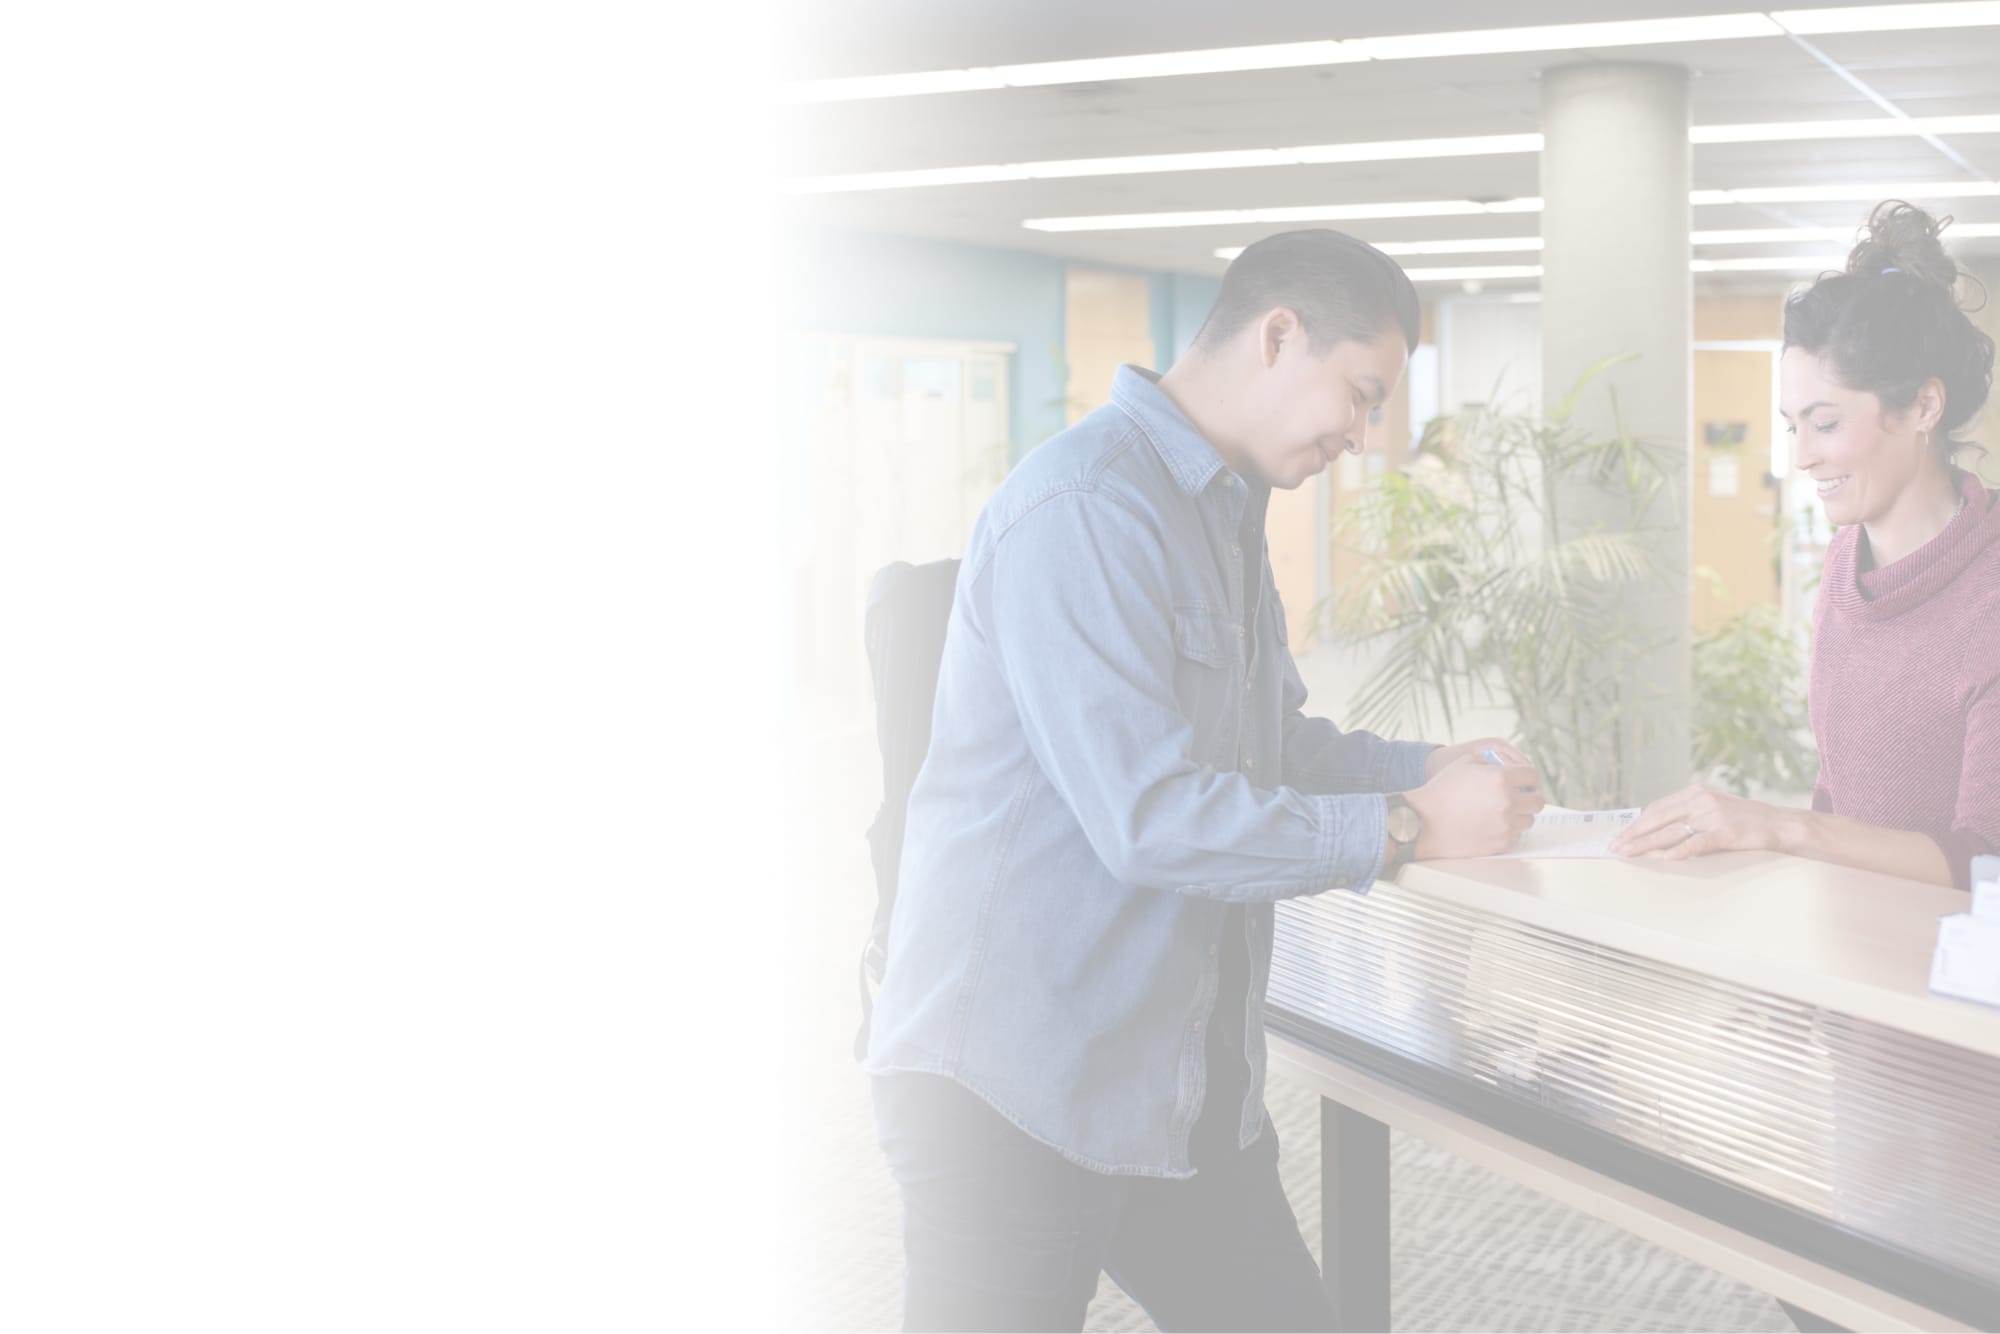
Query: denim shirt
1117	755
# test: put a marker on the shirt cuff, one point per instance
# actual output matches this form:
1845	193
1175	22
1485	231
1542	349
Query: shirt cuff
1403	765
1359	826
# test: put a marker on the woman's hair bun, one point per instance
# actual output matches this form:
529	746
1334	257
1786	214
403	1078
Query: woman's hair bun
1892	320
1902	238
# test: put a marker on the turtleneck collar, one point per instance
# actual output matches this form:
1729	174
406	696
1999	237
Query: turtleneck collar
1893	589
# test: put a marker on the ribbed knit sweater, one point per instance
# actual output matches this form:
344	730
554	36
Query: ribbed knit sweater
1905	693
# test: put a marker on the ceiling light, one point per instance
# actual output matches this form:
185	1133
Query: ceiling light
893	85
1401	150
1878	18
1567	36
1486	41
1308	155
1161	64
1824	194
1762	263
1493	245
1126	166
1761	235
1287	55
1421	208
1431	208
1387	150
1469	245
1957	231
1878	127
902	180
1474	271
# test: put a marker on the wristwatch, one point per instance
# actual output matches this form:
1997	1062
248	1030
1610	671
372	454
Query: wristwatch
1405	825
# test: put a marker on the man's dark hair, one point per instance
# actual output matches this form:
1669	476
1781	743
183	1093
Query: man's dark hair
1342	289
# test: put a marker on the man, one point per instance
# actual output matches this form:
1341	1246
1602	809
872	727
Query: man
1069	1043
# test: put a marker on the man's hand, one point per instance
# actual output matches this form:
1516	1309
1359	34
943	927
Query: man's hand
1472	808
1444	757
1698	819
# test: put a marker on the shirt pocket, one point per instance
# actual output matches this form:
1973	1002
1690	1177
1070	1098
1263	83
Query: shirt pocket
1208	679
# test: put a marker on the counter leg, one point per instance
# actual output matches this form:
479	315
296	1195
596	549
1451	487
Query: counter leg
1354	1215
1807	1323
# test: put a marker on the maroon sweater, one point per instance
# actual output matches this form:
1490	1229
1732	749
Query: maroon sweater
1905	693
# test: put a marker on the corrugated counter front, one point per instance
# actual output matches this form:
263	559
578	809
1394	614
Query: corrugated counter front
1738	1056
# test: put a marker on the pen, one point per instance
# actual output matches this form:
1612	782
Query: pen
1486	753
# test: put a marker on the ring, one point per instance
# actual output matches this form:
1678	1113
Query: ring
1689	827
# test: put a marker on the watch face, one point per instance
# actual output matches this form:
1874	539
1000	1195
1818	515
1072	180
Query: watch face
1404	824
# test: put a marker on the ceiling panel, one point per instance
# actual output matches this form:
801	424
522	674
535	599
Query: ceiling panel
1925	73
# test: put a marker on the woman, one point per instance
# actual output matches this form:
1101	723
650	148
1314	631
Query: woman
1881	371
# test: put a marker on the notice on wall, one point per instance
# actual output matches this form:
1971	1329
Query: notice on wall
1723	475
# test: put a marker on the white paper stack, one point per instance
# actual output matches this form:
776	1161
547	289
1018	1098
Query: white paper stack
1967	962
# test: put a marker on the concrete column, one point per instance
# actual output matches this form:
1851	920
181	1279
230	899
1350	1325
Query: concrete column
1615	177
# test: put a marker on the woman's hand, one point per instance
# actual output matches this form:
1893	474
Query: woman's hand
1445	756
1697	820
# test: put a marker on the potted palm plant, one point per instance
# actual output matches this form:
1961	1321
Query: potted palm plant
1496	570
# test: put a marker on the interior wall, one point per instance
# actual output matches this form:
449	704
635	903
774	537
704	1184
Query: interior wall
1737	502
1107	323
846	282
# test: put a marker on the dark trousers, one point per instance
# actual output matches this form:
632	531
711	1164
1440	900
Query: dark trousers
1000	1232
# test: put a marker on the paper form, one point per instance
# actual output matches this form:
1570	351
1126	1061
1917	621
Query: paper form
1558	832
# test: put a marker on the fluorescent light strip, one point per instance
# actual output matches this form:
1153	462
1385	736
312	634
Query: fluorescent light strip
1472	245
1468	245
1765	235
1495	245
1878	127
1474	271
1224	60
1431	208
1394	150
1388	150
1567	36
1824	194
1957	231
1885	18
1767	263
1421	208
1484	41
1162	64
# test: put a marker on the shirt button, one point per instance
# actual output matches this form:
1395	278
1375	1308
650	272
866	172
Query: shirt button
1248	765
1235	550
1239	632
1197	1025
